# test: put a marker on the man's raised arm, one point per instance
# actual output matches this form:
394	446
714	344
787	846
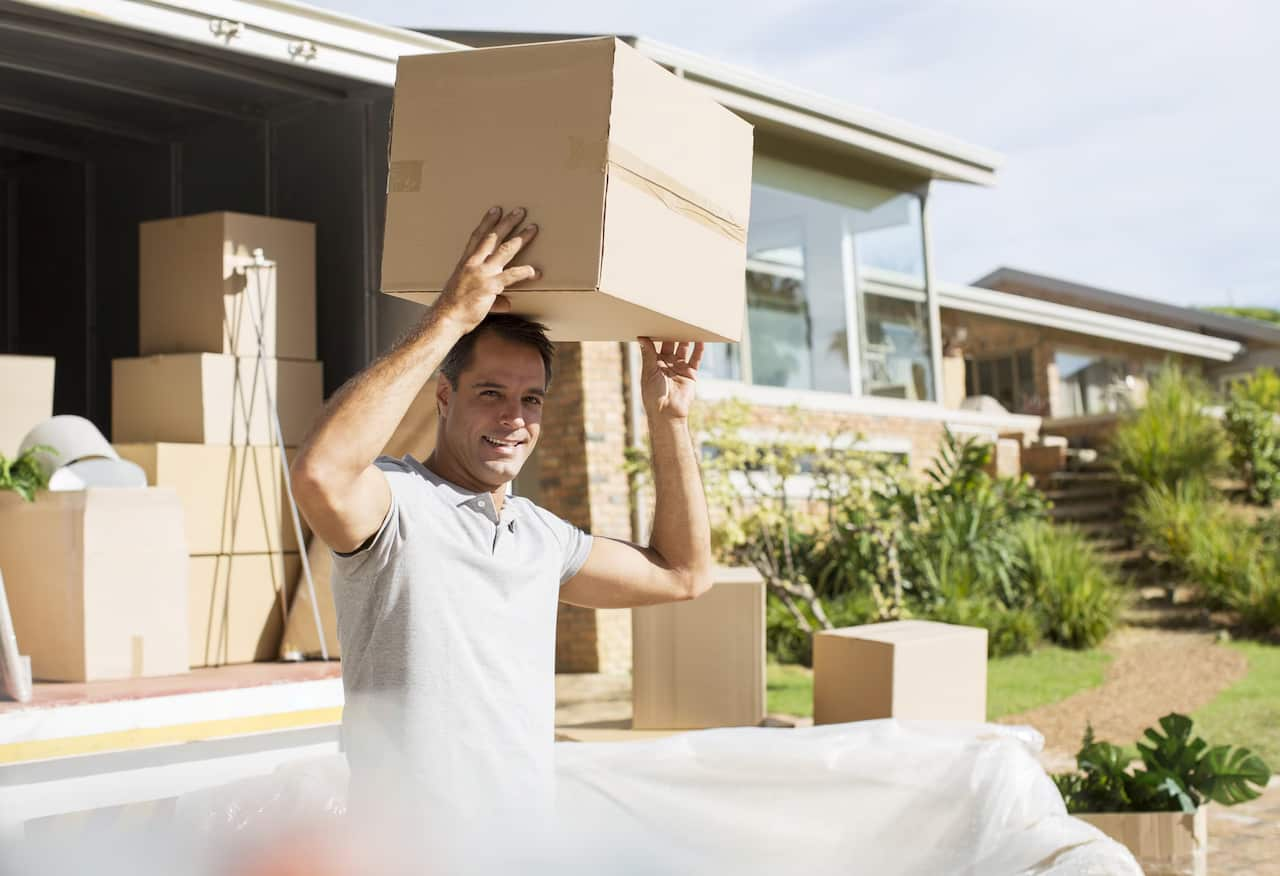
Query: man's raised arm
677	563
340	492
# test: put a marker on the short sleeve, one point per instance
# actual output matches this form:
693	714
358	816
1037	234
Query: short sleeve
574	544
382	547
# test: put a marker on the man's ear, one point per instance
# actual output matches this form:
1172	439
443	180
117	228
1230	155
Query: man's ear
444	392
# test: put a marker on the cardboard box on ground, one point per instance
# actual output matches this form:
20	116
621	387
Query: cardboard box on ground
702	663
95	580
639	183
902	669
26	398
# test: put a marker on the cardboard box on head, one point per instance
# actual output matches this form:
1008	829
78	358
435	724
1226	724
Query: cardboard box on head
640	186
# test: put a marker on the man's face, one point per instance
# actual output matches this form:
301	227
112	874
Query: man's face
490	423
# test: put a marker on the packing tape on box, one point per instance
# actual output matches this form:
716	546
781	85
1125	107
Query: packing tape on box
631	169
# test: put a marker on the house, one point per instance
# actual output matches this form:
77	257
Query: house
1081	356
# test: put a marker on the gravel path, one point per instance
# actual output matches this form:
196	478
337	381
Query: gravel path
1155	671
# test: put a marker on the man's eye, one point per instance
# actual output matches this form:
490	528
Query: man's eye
533	400
492	392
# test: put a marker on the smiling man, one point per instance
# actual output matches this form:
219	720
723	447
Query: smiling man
445	586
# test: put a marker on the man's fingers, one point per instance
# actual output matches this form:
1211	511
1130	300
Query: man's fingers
511	247
510	223
483	249
667	349
682	351
647	352
696	358
489	220
518	274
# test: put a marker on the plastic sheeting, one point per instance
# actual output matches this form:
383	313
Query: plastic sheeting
880	797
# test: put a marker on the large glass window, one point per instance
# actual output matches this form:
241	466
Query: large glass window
1091	384
817	257
897	352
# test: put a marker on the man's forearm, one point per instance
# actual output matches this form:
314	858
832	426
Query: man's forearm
681	528
363	415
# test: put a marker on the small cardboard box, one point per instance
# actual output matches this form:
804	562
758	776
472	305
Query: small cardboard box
233	498
902	669
640	185
97	582
204	398
26	398
237	607
701	663
196	292
1165	843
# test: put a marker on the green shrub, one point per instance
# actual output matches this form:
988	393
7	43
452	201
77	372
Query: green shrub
1262	387
1009	630
1171	440
786	642
1075	593
1237	566
1255	445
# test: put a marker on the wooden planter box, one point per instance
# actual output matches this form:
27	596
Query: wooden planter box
1165	843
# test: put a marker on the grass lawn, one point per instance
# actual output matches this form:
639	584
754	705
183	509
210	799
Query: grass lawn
1248	712
1014	684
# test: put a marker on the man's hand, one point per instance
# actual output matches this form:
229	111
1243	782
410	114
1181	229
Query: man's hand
482	274
669	376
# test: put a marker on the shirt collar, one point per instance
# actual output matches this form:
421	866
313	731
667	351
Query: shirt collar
481	503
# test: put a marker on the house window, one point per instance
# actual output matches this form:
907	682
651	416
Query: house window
1090	384
1009	379
822	259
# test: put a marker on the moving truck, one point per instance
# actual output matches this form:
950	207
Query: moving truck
117	112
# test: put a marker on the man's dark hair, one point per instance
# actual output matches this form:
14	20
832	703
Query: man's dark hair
507	326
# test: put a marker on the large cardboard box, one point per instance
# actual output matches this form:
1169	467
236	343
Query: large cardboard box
97	582
26	398
204	398
237	606
902	669
233	498
1165	843
701	663
640	185
196	293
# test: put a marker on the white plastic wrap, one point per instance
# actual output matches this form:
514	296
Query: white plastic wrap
875	797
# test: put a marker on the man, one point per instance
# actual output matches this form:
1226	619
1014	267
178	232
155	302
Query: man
445	587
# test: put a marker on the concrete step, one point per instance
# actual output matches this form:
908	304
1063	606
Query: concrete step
1082	491
1092	511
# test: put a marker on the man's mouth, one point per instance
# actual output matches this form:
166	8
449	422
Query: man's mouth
499	442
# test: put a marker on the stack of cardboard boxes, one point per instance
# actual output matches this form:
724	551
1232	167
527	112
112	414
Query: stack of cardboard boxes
196	411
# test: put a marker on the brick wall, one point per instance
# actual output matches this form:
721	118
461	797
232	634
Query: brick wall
579	475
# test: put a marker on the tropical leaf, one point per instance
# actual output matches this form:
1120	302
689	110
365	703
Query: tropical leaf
1230	775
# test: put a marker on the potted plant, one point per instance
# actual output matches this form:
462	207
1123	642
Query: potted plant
1155	808
25	474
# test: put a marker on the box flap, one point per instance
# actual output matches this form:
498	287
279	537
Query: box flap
680	140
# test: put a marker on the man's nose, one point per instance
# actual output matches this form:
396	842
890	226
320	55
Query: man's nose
513	413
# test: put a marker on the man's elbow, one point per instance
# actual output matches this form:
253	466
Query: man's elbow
693	583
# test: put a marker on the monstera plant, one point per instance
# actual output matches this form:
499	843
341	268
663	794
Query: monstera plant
25	474
1179	773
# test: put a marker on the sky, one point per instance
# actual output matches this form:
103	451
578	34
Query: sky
1141	140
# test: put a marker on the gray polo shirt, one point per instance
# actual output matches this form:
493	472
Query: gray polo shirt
447	620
